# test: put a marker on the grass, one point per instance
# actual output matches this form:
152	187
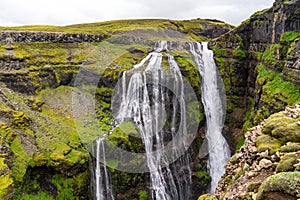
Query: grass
240	53
276	88
39	196
189	27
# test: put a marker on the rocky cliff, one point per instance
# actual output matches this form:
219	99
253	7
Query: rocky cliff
259	63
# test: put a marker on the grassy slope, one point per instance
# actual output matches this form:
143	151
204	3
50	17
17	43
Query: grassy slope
189	27
121	25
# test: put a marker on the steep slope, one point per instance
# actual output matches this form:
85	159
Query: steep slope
259	63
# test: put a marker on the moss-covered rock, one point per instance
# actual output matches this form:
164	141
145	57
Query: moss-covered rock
284	183
266	142
207	197
34	137
290	147
6	181
288	162
283	128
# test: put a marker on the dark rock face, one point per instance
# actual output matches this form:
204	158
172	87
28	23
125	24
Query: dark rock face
255	34
269	39
20	36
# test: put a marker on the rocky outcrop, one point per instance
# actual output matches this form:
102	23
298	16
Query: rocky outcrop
268	163
25	36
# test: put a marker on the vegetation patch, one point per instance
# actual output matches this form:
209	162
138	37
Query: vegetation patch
266	142
290	36
285	182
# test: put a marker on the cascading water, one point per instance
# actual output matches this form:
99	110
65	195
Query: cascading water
149	114
144	100
103	186
218	148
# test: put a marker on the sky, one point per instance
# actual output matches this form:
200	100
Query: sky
65	12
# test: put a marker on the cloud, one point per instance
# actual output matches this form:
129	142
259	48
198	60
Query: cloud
63	12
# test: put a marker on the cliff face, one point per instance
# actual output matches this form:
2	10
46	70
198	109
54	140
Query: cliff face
259	63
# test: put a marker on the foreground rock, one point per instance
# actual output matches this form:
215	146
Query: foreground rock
268	164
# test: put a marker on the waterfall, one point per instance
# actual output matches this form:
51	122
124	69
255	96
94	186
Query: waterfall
149	114
145	99
218	148
103	188
154	98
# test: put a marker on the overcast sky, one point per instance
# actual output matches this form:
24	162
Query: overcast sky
64	12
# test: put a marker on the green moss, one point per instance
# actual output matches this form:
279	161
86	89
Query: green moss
259	13
290	36
35	103
21	160
266	142
207	197
290	147
143	195
286	182
64	187
219	52
122	137
65	156
188	69
239	53
6	181
260	115
7	133
195	111
240	142
39	159
190	27
276	92
203	176
282	127
247	125
287	162
20	119
39	196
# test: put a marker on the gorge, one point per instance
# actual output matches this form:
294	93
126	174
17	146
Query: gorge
47	146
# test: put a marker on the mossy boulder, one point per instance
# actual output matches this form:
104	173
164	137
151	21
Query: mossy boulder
288	162
290	147
207	197
266	142
64	158
282	127
126	136
286	183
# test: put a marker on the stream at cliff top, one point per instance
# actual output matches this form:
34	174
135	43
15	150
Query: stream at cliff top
151	96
